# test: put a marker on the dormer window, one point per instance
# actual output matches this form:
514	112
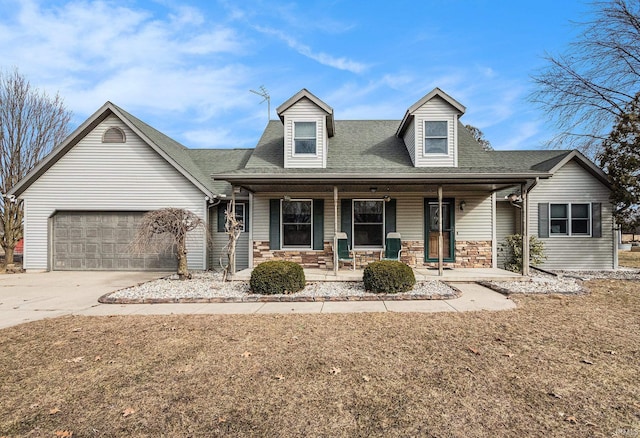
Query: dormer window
304	138
435	137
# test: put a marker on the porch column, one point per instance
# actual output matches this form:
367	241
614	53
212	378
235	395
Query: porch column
440	237
525	229
335	230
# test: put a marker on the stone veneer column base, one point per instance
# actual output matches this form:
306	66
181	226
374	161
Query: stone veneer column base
469	254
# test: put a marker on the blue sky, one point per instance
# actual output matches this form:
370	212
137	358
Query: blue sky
186	67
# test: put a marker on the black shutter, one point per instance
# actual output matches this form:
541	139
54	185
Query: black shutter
345	218
274	224
389	217
222	207
596	219
543	219
318	224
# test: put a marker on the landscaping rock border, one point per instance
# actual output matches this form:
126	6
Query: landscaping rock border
207	287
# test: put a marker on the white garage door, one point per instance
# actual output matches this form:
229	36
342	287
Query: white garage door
99	241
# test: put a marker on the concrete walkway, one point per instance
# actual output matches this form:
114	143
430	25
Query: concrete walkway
30	297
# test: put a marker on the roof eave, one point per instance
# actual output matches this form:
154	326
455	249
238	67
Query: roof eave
373	177
408	117
60	150
163	154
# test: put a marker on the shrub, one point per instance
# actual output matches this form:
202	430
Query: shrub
388	276
513	246
277	277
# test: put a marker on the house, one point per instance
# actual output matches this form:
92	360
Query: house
309	177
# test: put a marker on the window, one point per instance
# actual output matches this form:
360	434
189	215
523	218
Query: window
296	223
435	137
304	137
570	219
368	223
240	216
113	135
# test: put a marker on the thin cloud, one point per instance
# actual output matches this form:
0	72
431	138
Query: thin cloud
96	51
526	133
341	63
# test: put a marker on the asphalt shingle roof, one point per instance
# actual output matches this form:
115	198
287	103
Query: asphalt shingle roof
217	161
176	151
371	145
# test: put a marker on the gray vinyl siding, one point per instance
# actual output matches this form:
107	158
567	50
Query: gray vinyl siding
305	111
219	240
96	176
410	140
505	226
436	110
573	184
472	224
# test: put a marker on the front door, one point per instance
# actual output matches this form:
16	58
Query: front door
432	218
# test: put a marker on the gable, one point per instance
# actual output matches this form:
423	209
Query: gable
173	152
305	112
115	172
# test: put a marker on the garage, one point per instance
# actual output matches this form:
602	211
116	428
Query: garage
99	241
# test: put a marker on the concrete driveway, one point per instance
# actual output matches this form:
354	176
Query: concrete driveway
29	297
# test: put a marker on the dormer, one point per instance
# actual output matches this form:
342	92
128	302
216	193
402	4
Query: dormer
430	130
308	124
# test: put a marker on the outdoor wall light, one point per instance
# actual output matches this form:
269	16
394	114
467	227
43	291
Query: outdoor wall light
373	189
386	198
513	198
463	204
286	198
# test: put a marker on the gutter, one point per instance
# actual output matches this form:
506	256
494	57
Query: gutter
327	177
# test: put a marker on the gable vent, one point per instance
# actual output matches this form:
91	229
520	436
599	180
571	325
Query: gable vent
113	135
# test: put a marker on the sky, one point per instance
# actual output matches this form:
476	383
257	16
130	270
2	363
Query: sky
187	67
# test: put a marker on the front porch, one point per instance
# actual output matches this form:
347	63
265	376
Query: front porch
466	275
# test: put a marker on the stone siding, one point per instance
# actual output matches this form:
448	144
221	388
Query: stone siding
307	258
469	254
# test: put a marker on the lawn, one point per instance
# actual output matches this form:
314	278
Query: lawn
629	259
557	366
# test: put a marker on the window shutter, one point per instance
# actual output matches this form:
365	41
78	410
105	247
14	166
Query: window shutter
222	207
596	219
318	224
389	217
274	224
345	218
543	219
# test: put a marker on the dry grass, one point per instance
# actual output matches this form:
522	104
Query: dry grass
555	367
629	259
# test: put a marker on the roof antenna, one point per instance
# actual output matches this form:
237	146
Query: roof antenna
265	94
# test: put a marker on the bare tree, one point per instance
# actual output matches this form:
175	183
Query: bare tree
620	159
480	138
233	229
31	124
584	90
164	230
